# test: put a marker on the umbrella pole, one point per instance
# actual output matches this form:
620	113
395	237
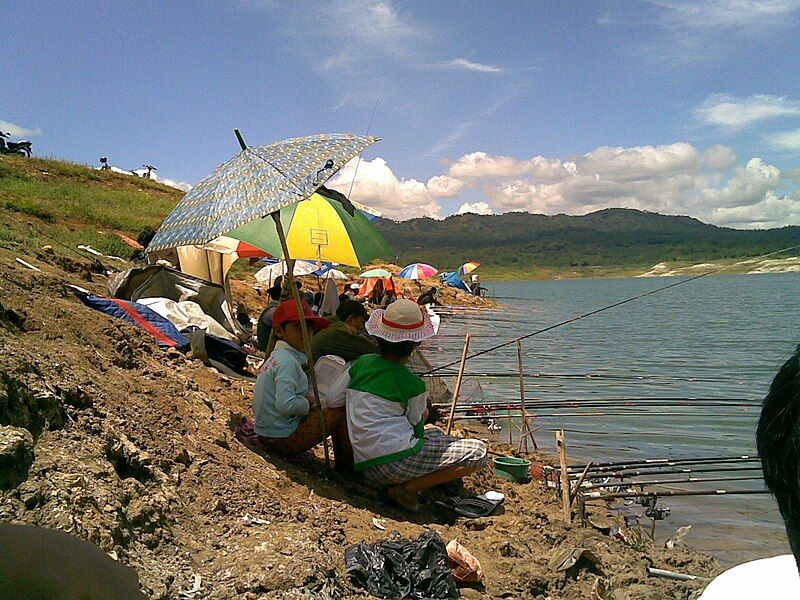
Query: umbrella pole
312	376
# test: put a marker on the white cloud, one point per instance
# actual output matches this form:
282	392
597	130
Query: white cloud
725	14
442	186
478	208
748	185
772	211
719	157
731	112
18	130
376	185
785	139
481	164
639	162
462	64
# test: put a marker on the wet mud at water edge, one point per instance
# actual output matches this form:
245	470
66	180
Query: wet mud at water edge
718	337
131	447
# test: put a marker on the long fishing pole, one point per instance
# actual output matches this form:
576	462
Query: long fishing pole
666	461
667	494
593	486
93	259
540	375
610	306
626	473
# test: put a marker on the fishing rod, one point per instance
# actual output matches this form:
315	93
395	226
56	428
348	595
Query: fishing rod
540	375
693	415
625	473
358	162
495	405
667	494
489	407
666	461
609	307
593	486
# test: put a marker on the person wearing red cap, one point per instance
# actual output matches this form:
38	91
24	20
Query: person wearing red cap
284	417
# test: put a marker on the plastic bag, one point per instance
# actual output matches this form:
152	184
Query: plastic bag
401	568
466	568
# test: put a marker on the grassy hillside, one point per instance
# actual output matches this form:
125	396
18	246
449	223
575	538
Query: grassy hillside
42	200
77	204
611	241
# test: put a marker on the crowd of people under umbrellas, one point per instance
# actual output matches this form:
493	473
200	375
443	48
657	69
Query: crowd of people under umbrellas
375	409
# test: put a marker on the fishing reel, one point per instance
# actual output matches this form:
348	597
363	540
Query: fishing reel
657	513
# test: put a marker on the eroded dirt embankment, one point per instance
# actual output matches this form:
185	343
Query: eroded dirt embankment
133	450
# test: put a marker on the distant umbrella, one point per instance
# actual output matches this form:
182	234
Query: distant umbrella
270	272
375	273
418	271
468	267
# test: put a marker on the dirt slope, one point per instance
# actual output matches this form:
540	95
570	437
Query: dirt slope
134	452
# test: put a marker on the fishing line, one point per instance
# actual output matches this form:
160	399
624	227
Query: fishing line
358	162
93	258
609	307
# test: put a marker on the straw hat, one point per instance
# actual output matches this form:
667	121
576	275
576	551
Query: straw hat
403	320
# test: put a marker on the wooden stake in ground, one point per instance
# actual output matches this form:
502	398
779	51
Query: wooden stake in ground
312	376
523	426
457	389
561	445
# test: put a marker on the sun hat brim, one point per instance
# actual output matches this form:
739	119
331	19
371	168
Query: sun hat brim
377	327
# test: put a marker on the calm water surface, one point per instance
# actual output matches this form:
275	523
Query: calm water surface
722	337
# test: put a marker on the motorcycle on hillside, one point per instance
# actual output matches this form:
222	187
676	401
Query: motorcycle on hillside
21	147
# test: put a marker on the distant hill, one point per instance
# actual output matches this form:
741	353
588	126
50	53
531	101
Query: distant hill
614	240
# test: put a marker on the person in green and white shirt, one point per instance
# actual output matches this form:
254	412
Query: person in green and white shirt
386	410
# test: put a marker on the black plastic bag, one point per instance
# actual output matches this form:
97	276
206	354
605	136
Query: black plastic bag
400	568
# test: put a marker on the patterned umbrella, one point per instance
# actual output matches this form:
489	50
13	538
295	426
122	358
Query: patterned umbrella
468	267
257	181
418	271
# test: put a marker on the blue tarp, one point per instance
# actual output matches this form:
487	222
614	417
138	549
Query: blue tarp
164	331
453	280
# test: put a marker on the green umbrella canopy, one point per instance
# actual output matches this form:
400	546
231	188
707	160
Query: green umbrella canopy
318	229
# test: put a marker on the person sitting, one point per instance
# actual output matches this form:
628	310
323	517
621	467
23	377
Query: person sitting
264	325
778	442
430	296
352	290
285	420
345	337
386	409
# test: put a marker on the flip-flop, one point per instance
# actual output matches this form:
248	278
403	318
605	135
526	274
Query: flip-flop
479	506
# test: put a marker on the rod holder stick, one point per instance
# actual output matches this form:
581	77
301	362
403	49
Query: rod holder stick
578	483
523	439
457	389
562	458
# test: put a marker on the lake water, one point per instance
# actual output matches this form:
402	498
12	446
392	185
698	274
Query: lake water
719	336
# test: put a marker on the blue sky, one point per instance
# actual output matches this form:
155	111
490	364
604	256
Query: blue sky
673	106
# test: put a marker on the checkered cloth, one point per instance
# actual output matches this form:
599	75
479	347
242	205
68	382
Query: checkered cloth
438	451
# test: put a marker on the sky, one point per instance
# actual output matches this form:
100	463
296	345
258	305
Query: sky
677	107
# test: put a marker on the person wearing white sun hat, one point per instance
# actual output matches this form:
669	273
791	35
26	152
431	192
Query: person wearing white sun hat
386	411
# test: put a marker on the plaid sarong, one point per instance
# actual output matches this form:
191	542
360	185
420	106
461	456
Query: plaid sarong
438	451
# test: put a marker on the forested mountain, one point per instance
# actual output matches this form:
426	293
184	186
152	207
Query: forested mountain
614	238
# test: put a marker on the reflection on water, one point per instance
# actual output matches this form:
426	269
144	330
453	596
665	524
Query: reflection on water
720	337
